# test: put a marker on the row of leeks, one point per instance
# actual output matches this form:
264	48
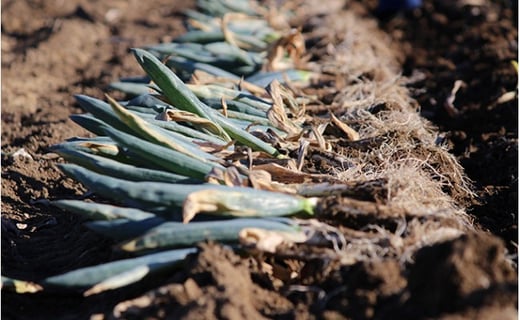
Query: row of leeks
165	157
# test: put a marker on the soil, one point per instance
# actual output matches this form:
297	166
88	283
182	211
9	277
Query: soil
52	50
475	45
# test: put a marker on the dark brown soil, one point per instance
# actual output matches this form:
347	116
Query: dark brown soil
474	44
52	50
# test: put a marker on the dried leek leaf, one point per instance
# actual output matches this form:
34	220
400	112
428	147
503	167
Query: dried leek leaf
350	133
